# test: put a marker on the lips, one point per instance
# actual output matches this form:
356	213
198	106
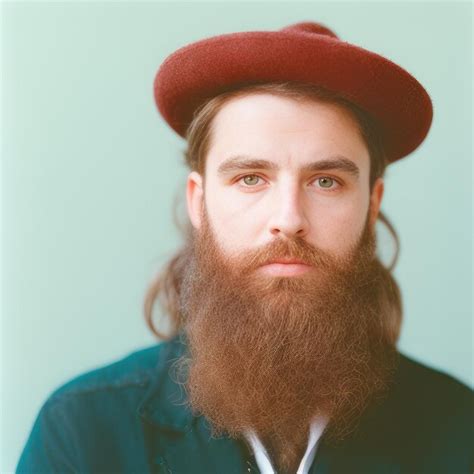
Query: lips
286	267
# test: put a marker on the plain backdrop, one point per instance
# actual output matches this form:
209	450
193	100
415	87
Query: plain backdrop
90	172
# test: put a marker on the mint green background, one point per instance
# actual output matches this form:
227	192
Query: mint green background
90	172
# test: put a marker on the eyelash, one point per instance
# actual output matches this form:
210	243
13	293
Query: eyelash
319	177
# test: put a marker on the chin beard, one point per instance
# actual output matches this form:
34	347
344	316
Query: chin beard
271	353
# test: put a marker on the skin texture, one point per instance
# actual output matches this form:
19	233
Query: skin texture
287	202
270	348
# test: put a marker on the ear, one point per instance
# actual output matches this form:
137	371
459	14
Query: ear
376	199
194	198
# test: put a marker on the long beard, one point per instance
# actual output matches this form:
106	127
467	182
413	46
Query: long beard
271	353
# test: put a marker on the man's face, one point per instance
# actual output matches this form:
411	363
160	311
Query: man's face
251	204
274	345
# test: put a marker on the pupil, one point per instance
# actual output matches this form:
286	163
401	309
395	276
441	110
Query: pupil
325	182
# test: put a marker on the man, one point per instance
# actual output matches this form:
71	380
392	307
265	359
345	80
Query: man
282	355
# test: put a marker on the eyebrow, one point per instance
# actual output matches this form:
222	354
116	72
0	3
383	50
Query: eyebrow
245	162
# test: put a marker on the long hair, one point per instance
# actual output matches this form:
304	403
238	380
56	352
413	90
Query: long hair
165	287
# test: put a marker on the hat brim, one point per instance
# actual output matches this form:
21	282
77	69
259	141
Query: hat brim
203	69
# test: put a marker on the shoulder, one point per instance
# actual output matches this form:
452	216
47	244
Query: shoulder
430	411
434	414
117	385
424	423
134	369
430	398
423	383
93	412
423	404
107	389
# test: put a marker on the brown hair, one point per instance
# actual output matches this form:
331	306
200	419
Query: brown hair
165	287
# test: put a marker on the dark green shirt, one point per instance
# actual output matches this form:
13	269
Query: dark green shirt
131	417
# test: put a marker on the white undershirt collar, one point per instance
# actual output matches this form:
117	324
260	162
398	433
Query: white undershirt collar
263	459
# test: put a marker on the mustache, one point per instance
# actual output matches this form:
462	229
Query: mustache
287	249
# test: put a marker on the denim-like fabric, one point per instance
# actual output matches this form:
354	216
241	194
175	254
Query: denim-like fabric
132	417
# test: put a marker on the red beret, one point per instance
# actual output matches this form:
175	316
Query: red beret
306	52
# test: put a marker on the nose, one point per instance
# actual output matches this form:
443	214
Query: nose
288	218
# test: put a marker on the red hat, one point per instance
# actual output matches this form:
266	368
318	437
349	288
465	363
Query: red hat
306	52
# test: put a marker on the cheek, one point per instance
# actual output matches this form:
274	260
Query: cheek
235	221
336	226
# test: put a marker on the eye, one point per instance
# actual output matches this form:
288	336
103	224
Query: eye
250	180
326	182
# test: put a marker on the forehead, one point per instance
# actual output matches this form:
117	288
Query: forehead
288	132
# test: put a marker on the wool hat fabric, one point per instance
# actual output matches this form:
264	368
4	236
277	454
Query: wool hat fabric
305	52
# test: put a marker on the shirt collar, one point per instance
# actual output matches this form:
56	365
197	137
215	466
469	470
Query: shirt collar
263	459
